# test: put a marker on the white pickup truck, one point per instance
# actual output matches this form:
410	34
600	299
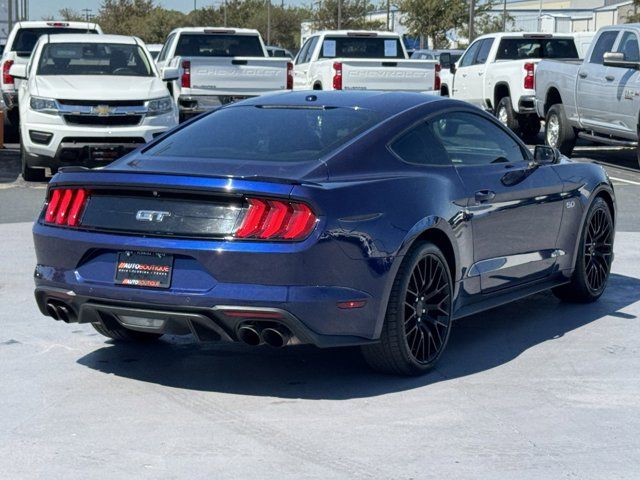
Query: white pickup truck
217	66
20	43
597	99
361	60
88	99
497	73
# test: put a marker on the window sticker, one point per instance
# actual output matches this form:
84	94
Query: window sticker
329	48
390	48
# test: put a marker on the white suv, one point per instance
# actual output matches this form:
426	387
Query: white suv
87	100
20	43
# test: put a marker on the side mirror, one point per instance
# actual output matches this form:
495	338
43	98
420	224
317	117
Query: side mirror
452	68
169	74
18	71
545	155
445	60
616	59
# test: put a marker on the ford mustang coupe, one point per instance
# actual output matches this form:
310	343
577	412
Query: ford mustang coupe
327	218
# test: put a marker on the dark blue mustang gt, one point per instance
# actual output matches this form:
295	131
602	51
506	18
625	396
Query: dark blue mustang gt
329	218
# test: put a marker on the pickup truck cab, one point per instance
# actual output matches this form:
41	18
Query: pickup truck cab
217	66
361	60
597	99
20	44
497	73
87	100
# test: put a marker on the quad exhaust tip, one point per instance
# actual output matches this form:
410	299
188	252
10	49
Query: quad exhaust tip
255	334
276	337
249	335
60	311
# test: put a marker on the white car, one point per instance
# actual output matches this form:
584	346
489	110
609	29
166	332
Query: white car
87	100
497	73
362	60
216	66
20	44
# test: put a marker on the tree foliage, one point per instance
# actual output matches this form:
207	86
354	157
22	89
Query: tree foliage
152	23
353	14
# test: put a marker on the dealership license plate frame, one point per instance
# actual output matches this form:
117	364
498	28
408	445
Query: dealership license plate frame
144	269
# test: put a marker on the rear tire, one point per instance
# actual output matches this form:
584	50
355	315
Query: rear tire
595	254
530	128
558	132
417	325
121	334
507	116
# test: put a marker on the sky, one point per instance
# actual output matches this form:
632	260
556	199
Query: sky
43	8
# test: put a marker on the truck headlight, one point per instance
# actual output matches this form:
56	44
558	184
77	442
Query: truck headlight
44	105
159	106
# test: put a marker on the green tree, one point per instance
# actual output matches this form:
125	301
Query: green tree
432	19
353	15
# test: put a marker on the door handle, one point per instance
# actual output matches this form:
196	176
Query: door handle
609	78
480	74
464	75
483	196
582	75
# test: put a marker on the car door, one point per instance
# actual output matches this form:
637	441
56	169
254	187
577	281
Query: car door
301	80
515	209
461	78
476	74
594	92
626	91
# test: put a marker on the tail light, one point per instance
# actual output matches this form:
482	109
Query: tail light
185	80
276	220
65	206
437	82
289	76
337	76
529	78
6	78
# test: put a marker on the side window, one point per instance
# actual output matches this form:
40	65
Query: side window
603	45
629	46
470	54
420	146
312	47
165	48
303	52
471	139
483	52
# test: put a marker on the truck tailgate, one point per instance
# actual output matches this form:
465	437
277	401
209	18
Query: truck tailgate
236	75
392	74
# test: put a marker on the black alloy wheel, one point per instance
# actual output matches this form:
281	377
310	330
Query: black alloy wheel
598	250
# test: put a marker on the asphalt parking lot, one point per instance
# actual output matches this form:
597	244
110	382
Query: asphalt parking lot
536	389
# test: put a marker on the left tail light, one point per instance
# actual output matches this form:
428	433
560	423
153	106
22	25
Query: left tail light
437	82
185	79
276	220
7	79
289	76
65	206
529	78
337	75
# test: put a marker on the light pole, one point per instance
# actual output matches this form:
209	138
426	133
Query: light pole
339	14
268	22
472	17
388	14
504	16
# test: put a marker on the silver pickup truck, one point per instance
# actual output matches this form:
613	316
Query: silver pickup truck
597	99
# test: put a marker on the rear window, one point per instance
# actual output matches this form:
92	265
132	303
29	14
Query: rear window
26	38
94	59
268	133
523	48
218	45
361	47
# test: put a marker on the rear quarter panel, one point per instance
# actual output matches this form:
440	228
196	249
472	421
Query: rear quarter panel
561	76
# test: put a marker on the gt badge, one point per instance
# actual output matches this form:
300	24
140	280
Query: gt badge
151	215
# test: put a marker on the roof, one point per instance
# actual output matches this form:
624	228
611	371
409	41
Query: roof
525	34
54	23
389	103
92	38
231	30
361	32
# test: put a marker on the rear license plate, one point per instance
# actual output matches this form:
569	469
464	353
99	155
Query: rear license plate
144	269
105	153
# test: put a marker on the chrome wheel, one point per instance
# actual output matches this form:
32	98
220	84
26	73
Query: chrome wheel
553	130
503	116
427	309
598	250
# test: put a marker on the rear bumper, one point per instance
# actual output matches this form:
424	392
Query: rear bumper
527	105
10	100
192	105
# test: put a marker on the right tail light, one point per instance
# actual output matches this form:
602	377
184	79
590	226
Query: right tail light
65	206
529	78
289	76
337	75
276	220
185	79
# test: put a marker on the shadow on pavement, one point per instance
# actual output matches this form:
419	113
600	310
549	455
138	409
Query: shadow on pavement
9	165
478	343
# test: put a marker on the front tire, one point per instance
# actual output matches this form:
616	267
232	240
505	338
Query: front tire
30	174
418	320
558	132
121	334
595	255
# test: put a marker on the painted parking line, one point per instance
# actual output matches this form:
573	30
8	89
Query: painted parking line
624	180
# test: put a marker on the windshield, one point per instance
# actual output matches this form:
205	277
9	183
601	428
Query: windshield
361	47
218	45
94	59
522	48
26	38
267	133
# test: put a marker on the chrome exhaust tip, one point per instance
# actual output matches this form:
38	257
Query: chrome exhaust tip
249	335
52	311
276	337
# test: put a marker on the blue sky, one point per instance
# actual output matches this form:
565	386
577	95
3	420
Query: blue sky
41	8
